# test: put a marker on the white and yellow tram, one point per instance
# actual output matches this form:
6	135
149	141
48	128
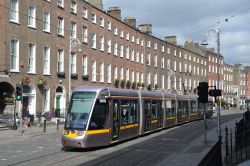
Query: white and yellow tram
100	116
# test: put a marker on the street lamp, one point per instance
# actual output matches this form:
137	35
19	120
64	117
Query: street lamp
217	31
73	43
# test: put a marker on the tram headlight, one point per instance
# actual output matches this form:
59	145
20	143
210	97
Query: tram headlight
65	132
80	133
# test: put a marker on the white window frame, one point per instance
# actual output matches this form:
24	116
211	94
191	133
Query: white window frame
109	25
73	7
14	55
60	26
73	63
102	72
60	3
109	46
85	34
85	13
115	48
102	43
31	58
60	60
94	40
46	21
31	16
102	22
121	51
93	18
94	71
73	30
46	60
85	65
109	73
14	11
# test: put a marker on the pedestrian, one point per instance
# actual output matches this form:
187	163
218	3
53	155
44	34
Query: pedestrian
26	117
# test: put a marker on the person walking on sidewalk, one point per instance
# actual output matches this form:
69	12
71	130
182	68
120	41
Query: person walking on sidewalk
26	117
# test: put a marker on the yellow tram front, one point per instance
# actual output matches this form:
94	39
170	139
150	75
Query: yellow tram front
85	124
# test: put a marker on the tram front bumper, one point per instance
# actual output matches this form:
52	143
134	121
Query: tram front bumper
72	139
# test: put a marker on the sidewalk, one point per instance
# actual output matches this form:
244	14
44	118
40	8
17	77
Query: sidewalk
8	135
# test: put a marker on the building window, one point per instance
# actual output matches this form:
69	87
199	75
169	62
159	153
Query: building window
148	59
101	22
115	73
142	43
94	71
127	52
163	81
137	40
73	63
121	51
85	65
31	16
46	60
46	21
109	73
155	46
149	78
85	13
115	48
122	34
162	48
142	58
94	41
133	39
155	61
137	76
14	11
93	16
31	58
162	63
14	55
60	3
109	46
60	61
127	74
137	56
155	79
132	55
73	7
133	75
127	36
148	44
73	30
116	31
142	77
102	72
109	25
102	43
60	26
85	34
121	73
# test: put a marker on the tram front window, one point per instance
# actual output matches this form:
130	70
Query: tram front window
79	110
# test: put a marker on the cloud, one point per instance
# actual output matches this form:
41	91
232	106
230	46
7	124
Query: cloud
189	20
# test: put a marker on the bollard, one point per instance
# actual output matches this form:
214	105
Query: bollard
44	126
226	142
57	124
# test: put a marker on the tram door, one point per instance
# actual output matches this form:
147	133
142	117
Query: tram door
160	114
116	120
147	115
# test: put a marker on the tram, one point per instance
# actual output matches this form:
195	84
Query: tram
100	116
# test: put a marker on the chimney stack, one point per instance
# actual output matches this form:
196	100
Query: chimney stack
131	21
146	28
171	39
115	12
96	3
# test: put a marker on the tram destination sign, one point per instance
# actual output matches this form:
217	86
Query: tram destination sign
8	100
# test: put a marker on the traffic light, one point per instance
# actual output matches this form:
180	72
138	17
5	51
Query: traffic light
214	92
19	92
203	92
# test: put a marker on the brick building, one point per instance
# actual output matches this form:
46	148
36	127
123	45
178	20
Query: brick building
40	42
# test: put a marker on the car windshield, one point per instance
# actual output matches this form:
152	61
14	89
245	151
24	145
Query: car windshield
79	110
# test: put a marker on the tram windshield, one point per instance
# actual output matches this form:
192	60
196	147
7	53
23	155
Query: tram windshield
79	110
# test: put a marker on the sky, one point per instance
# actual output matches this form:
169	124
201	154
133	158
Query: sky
196	20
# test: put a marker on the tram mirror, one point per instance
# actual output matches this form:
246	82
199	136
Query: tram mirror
168	103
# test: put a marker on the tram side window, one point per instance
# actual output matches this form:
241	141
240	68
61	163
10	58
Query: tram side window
185	107
154	109
124	111
180	107
116	110
99	116
147	105
173	107
134	109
